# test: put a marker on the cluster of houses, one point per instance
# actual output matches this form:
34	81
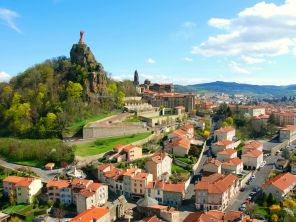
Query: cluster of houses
154	182
179	141
83	193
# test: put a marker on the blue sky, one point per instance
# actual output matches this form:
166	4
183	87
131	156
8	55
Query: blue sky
180	41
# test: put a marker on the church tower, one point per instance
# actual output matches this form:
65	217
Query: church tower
136	78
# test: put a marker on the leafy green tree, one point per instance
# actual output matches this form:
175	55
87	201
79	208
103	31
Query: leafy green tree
270	199
74	90
229	121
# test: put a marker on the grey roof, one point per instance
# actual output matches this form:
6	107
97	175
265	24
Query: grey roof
147	202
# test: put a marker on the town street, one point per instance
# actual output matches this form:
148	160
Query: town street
45	175
261	175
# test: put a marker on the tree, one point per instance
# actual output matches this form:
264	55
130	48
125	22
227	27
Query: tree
264	200
15	219
275	208
74	90
12	197
274	218
229	121
251	208
270	199
206	134
289	203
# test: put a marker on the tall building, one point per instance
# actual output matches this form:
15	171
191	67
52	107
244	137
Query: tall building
136	78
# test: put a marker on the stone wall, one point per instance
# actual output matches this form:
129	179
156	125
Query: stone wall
112	131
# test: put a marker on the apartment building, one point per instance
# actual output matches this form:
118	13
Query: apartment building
253	111
284	118
159	165
232	165
252	145
169	99
226	154
24	188
280	185
60	191
288	133
212	166
139	183
252	159
166	193
216	191
226	133
96	194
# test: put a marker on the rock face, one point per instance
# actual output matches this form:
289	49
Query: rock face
96	82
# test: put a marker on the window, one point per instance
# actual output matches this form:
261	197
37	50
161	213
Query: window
140	190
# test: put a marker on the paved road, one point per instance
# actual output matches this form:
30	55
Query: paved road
45	175
258	181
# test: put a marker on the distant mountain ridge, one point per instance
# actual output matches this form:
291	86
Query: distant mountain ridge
236	88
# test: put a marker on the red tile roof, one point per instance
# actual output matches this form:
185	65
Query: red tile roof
80	182
104	166
25	182
216	184
13	179
253	153
252	145
169	187
157	157
282	181
214	161
183	143
225	130
232	162
92	214
227	152
58	183
223	143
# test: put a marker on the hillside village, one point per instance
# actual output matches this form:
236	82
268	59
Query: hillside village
163	156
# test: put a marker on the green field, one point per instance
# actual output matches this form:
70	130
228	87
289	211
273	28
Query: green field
262	211
106	144
132	119
76	127
17	209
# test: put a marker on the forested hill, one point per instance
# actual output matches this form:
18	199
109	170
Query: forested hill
235	88
48	97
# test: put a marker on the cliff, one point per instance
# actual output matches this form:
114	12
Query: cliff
96	81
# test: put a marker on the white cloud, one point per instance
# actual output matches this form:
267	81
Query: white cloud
189	24
261	31
8	17
188	59
4	77
237	68
252	60
219	23
151	61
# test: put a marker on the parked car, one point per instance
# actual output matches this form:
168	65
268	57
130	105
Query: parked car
256	189
249	198
242	209
253	176
242	189
252	194
259	217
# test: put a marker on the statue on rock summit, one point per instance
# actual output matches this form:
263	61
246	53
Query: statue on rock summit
96	82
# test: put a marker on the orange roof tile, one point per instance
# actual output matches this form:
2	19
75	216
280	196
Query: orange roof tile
49	165
253	153
227	152
225	130
223	143
193	217
58	183
104	166
80	182
92	214
183	143
157	157
233	161
13	179
219	185
282	181
252	145
25	182
214	161
140	176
